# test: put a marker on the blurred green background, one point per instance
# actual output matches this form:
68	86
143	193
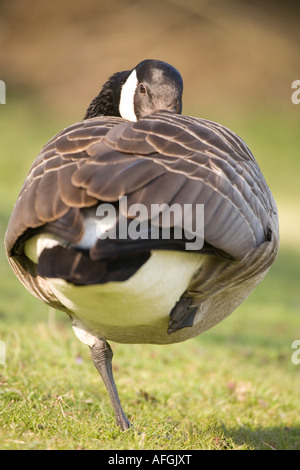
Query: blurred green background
238	60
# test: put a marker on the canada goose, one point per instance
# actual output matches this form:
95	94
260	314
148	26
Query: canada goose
134	143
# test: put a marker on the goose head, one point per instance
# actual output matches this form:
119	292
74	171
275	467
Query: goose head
151	86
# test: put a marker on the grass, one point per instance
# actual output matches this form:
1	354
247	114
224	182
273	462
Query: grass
234	387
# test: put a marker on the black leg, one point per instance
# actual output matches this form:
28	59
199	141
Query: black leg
102	357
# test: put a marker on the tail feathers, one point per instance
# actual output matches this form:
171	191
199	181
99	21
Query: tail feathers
77	268
182	314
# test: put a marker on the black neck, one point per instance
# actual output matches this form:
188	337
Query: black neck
107	102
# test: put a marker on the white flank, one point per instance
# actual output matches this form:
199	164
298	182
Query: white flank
126	106
36	244
90	235
84	336
95	228
119	311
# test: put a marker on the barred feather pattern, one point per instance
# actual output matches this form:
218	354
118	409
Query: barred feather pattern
162	158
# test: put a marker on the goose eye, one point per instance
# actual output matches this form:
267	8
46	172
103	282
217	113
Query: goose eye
142	89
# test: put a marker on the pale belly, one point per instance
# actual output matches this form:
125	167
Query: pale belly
135	310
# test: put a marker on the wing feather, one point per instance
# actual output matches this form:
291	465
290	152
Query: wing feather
162	158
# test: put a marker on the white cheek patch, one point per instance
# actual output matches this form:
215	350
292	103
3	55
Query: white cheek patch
126	106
